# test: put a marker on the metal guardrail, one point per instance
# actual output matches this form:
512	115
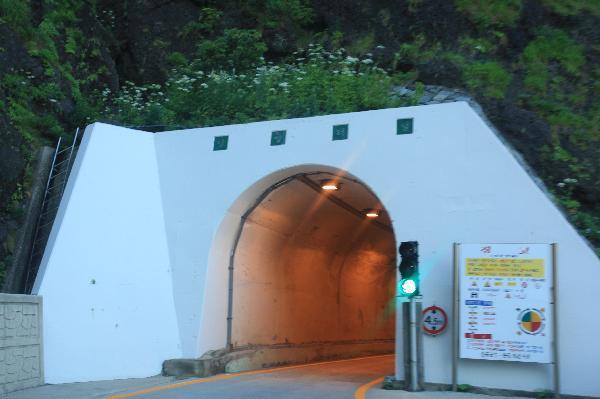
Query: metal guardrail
60	169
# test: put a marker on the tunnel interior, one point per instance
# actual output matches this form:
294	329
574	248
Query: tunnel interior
311	268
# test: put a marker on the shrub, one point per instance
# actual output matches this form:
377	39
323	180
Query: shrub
487	78
17	14
236	49
315	82
489	13
572	7
550	48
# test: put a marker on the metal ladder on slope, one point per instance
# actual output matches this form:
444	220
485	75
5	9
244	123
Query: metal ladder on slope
55	187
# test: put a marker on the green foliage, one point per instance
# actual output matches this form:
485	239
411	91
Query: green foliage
281	22
416	52
204	26
35	104
336	39
74	38
14	206
363	44
237	49
316	82
545	394
225	80
298	11
276	14
488	78
17	14
587	222
464	387
557	88
476	46
572	7
21	96
550	49
176	59
488	13
419	91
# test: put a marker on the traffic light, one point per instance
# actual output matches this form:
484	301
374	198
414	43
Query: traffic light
408	286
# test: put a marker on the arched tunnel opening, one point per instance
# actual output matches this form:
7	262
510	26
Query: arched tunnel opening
313	274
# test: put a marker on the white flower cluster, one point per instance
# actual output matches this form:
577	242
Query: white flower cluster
136	98
189	85
566	181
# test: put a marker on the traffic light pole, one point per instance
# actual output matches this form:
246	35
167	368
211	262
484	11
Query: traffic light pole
413	375
412	309
408	290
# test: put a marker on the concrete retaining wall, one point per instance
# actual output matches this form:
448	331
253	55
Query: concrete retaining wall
277	356
20	342
16	274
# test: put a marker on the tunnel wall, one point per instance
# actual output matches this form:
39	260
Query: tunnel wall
308	271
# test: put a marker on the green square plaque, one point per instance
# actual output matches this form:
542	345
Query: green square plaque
404	126
340	132
220	143
278	137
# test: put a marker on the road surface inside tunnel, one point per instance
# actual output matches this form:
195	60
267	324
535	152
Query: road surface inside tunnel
323	380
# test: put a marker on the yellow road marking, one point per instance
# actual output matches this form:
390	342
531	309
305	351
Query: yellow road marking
232	375
361	392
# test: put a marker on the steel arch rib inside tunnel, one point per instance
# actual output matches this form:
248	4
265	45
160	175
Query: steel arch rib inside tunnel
311	273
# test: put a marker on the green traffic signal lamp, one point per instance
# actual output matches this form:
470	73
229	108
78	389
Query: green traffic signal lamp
408	286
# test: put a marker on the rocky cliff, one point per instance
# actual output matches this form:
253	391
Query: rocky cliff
531	64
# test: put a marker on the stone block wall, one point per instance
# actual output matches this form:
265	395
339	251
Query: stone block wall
20	342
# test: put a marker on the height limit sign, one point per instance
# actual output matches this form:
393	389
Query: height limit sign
435	320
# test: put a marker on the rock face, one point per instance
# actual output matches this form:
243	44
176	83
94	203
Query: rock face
11	159
149	31
504	55
13	56
523	129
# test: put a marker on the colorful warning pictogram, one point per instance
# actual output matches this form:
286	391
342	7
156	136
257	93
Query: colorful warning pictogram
531	321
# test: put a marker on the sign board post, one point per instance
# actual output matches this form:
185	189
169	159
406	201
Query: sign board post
505	304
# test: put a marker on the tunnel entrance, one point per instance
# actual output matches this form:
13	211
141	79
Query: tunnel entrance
313	275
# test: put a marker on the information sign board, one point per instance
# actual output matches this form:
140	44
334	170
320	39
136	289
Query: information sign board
505	302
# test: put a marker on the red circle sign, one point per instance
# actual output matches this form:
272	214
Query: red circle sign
435	320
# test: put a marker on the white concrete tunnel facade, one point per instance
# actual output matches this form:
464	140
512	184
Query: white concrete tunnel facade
135	271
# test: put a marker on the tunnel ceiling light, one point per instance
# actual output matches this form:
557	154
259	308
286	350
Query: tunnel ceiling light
372	213
330	185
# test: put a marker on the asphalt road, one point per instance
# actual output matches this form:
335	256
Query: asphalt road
348	379
326	380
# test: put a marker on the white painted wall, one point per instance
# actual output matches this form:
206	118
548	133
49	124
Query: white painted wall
450	181
108	299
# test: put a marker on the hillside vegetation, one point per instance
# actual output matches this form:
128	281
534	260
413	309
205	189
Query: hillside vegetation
532	65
